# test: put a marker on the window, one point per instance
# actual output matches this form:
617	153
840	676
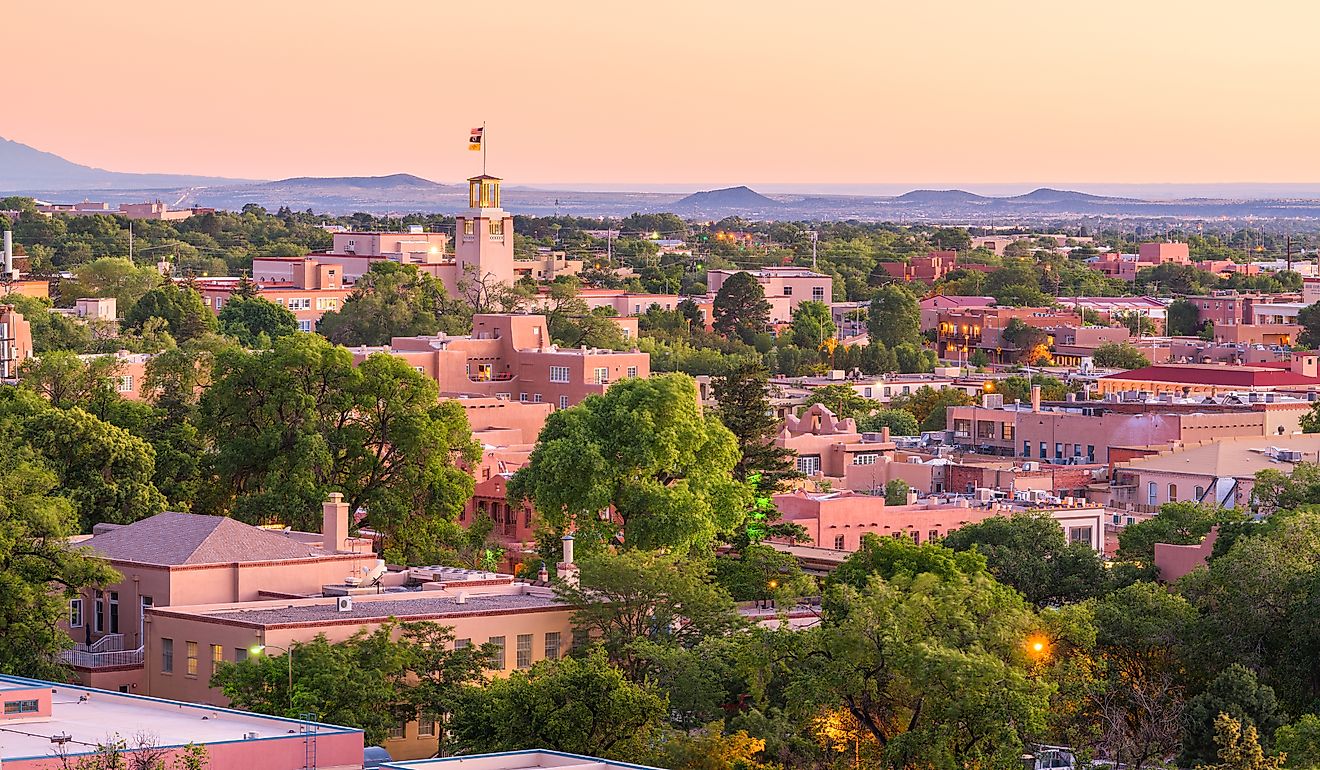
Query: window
524	650
217	656
304	326
426	725
300	303
21	707
1200	493
1044	450
1006	432
1079	535
1058	451
114	612
125	384
1026	449
462	644
191	649
536	398
864	459
580	638
632	371
1173	493
1152	493
559	374
809	465
219	302
818	293
398	729
469	227
866	392
98	597
522	397
552	645
498	659
167	656
240	654
1077	450
934	534
788	291
601	375
838	542
76	613
916	537
327	303
563	402
1090	453
497	227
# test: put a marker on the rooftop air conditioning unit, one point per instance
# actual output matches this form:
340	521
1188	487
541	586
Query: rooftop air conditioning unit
1031	466
344	604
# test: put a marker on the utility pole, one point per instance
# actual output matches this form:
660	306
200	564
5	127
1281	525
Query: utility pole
814	235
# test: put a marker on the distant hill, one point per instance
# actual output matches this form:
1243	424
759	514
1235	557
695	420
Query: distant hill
941	196
27	168
1049	195
728	199
359	182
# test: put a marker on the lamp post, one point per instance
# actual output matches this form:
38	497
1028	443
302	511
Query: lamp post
257	649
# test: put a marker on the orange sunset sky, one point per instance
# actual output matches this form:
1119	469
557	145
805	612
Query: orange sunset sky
699	92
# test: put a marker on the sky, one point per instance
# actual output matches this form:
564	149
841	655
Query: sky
680	92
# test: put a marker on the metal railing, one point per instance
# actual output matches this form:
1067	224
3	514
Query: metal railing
109	659
107	643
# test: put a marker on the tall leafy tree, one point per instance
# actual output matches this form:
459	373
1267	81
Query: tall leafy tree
111	277
930	406
180	307
1119	355
256	321
744	408
39	570
812	325
573	705
1309	318
645	451
291	424
389	300
894	317
1029	553
740	309
1183	318
1237	693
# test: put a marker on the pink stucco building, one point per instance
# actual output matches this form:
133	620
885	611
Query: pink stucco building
306	287
797	284
512	357
52	726
15	341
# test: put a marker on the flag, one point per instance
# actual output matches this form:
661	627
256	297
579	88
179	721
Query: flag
474	141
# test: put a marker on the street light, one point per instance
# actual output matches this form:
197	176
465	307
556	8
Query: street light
257	649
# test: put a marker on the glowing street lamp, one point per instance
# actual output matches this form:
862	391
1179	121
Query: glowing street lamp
257	649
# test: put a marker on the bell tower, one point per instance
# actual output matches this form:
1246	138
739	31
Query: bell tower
483	234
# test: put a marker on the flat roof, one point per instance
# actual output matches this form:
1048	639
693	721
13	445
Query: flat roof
414	604
529	759
88	716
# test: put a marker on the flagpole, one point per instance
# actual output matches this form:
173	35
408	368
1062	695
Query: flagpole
483	148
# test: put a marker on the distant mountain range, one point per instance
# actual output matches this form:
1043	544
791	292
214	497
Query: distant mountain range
24	168
30	171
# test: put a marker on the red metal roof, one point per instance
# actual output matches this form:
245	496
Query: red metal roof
1223	376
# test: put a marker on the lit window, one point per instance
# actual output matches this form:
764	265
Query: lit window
469	227
217	656
192	658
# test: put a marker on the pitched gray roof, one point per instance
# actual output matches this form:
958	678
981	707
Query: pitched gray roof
185	538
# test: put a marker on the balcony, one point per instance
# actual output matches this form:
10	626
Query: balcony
106	652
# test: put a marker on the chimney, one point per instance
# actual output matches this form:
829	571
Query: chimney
568	571
912	497
9	254
334	523
1035	398
884	434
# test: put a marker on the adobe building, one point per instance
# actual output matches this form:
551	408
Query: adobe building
959	333
15	341
838	520
308	288
1300	374
181	558
54	726
795	284
512	357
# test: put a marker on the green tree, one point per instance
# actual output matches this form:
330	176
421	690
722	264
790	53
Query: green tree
39	570
1309	319
930	406
639	596
1018	388
894	317
50	331
1300	742
890	556
256	321
900	422
67	379
760	572
1119	355
933	667
111	277
812	325
574	705
180	307
1184	319
740	309
896	492
842	400
361	682
1237	693
1029	553
1238	747
293	423
644	449
743	406
389	300
1176	524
